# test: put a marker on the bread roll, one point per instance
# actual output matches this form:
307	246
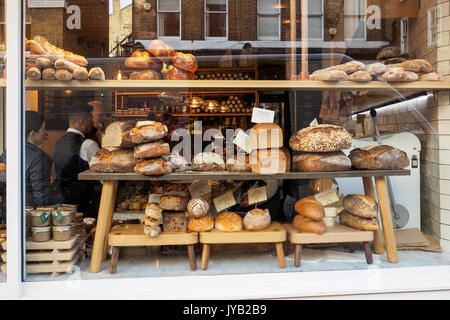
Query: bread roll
306	225
173	203
328	75
151	149
208	161
310	208
119	160
143	63
205	223
96	74
321	138
162	51
360	76
81	73
379	157
321	162
432	76
44	63
49	74
153	167
153	210
269	161
185	61
360	205
228	222
63	75
365	224
174	73
197	208
33	74
239	163
152	231
399	74
417	65
266	136
147	131
174	222
257	219
117	135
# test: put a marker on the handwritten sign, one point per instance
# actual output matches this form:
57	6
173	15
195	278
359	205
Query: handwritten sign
327	197
256	195
263	115
224	201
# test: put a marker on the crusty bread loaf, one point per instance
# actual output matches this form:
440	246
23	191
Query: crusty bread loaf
321	162
63	75
328	75
49	74
269	161
140	53
376	68
80	73
151	149
62	63
432	76
147	131
349	67
417	65
321	138
310	208
174	73
197	208
239	163
208	161
185	61
365	224
34	47
143	63
174	222
257	219
117	135
306	225
399	74
379	157
153	210
162	51
228	222
148	221
265	136
360	76
153	167
360	205
173	203
33	74
202	224
119	160
44	63
96	74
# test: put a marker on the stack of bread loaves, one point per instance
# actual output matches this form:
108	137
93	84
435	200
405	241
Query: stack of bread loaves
309	217
152	219
160	61
320	148
199	218
360	212
174	213
267	155
48	62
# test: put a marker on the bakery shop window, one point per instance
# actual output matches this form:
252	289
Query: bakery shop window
355	19
268	19
169	18
216	18
315	19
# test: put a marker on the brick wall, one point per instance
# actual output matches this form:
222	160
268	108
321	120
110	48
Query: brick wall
192	21
144	22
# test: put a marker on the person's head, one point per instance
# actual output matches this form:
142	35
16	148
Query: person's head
99	116
35	130
81	118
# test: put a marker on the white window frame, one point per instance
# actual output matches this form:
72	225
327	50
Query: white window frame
205	24
353	16
269	14
438	11
322	15
404	35
158	11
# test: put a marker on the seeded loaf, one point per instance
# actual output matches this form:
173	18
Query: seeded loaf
379	157
321	138
321	162
173	203
202	224
175	222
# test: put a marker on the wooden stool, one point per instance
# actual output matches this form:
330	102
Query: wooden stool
132	235
275	233
335	234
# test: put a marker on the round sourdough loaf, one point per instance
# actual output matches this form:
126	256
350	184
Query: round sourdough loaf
202	224
257	219
185	61
365	224
174	73
379	157
310	208
228	222
321	162
321	138
159	49
197	208
360	205
306	225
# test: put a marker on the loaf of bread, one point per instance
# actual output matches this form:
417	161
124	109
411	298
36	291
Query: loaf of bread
148	221
379	157
239	163
268	161
44	63
118	160
153	210
140	53
49	74
349	67
376	68
173	203
117	135
328	75
417	65
174	73
365	224
152	231
208	161
228	222
310	208
321	162
147	131
321	138
432	76
205	223
162	51
151	149
96	74
306	225
143	63
265	136
63	75
197	208
360	205
399	74
62	63
257	219
174	222
34	47
185	61
360	76
33	74
81	73
153	167
178	162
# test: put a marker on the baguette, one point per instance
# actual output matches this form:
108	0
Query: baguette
49	74
63	75
62	63
33	74
35	47
44	63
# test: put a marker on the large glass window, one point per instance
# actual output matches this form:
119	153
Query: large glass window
315	19
269	19
216	18
355	19
169	18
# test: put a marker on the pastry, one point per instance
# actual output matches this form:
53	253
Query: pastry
257	219
379	157
321	138
321	162
360	205
310	208
151	149
228	222
306	225
197	208
205	223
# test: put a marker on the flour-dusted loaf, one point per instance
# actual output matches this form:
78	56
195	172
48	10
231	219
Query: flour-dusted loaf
417	65
239	163
185	61
432	76
153	166
174	73
152	232
147	74
162	51
197	208
399	75
349	67
351	220
117	135
80	73
306	225
360	76
208	161
310	208
173	203
205	223
49	74
257	219
379	157
360	205
266	136
328	75
33	74
151	149
147	131
153	210
44	63
175	222
376	68
62	63
321	138
228	222
178	162
321	162
118	160
269	161
96	73
63	75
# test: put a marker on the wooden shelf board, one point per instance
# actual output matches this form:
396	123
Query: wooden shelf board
229	175
52	244
209	114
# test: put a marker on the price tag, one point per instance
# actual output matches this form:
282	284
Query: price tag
256	195
327	197
199	188
314	123
224	201
242	140
263	116
154	197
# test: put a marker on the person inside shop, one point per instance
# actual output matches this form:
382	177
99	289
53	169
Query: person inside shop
100	119
72	155
38	164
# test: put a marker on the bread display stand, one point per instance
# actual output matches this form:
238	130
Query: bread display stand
132	235
275	233
335	234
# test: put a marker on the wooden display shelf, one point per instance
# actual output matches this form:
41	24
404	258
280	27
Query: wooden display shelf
230	175
275	233
246	114
132	235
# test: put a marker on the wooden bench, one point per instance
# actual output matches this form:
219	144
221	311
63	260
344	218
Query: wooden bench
132	235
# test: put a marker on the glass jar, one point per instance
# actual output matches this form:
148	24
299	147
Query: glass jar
62	218
40	218
40	234
62	233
